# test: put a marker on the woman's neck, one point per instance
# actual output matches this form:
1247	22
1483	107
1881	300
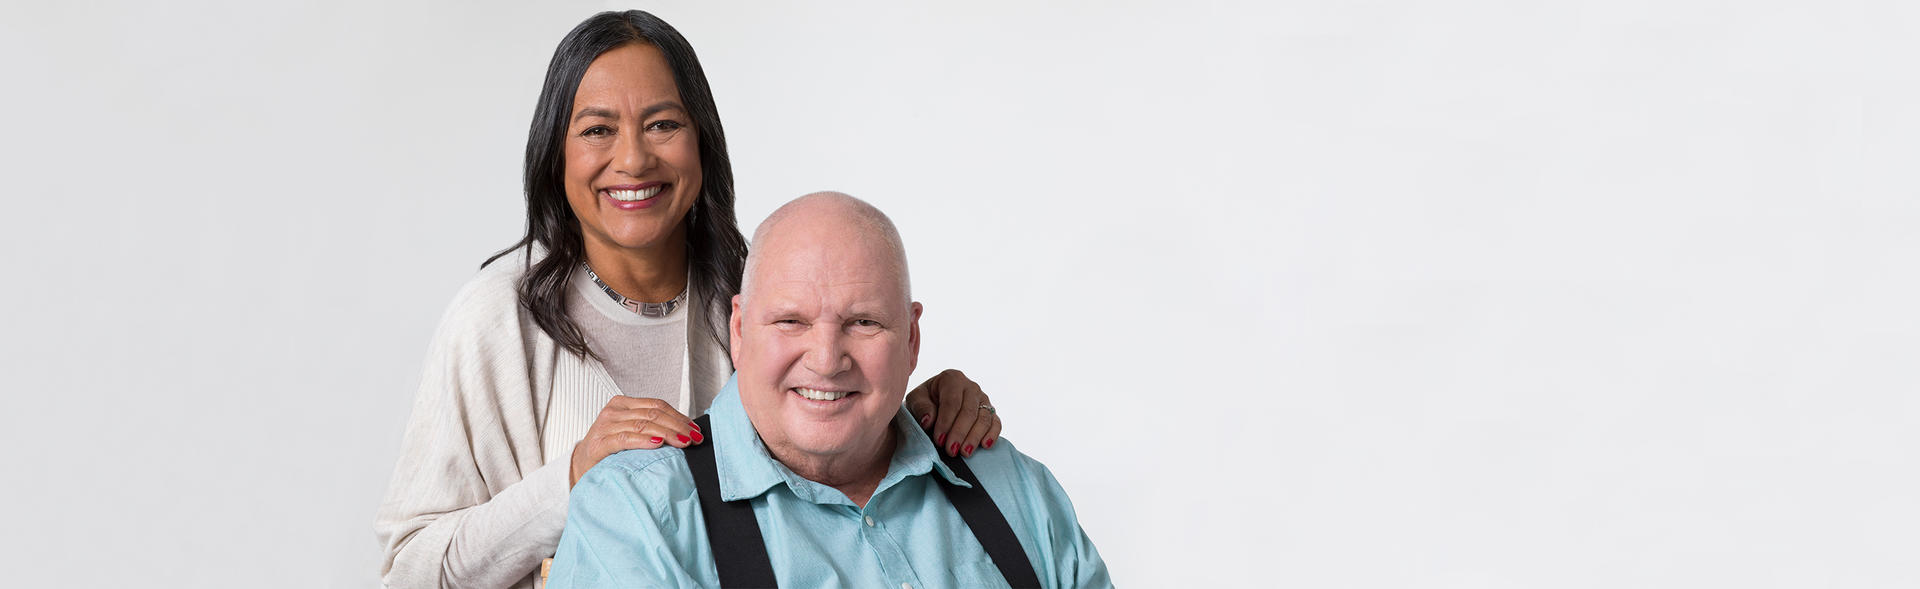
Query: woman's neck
653	275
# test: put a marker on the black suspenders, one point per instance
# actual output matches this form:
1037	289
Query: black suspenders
740	554
989	527
734	535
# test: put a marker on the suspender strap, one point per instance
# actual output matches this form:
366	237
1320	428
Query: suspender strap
989	526
739	553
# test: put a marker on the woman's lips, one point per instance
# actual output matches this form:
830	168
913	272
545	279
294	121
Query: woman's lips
632	197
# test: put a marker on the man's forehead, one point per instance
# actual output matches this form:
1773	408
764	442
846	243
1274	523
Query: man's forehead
851	293
826	258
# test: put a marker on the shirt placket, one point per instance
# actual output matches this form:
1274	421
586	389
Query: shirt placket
893	557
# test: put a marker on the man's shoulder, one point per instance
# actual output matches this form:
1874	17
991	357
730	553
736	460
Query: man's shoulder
1004	465
657	474
662	461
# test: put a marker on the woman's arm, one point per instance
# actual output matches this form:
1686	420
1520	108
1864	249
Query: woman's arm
471	502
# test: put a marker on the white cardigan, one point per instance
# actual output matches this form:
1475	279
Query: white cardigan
472	502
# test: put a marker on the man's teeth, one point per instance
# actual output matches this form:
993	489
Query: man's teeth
634	195
821	395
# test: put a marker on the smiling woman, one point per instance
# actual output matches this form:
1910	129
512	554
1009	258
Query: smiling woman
602	329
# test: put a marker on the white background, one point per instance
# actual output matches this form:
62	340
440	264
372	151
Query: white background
1304	294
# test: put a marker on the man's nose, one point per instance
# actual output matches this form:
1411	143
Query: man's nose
827	353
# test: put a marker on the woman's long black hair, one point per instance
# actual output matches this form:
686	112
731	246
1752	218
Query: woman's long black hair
716	251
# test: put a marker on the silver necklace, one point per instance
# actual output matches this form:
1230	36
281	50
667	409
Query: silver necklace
645	309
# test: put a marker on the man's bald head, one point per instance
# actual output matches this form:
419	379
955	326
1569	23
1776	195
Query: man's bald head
829	216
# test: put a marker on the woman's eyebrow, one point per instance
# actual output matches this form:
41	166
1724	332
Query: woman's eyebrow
608	113
595	111
658	107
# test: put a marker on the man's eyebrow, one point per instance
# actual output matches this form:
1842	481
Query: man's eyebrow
608	113
870	310
776	308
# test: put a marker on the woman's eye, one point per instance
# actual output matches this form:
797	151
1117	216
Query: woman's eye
665	125
596	131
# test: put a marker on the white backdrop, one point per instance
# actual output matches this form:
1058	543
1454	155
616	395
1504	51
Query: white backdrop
1304	294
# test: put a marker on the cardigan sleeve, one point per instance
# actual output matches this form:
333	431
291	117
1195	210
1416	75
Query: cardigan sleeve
471	504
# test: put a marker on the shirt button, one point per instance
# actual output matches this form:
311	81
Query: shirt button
870	524
906	586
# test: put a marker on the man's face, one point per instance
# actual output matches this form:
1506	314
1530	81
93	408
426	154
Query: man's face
825	341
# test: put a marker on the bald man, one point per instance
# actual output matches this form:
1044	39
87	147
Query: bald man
814	476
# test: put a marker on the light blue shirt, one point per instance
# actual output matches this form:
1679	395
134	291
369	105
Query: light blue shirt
634	519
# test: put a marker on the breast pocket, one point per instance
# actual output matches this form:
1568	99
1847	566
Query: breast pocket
978	574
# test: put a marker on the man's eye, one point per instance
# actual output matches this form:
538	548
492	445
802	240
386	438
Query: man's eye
867	323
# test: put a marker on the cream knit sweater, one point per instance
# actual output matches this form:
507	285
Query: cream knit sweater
473	501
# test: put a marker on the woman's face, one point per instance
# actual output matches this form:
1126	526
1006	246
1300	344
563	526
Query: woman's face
632	154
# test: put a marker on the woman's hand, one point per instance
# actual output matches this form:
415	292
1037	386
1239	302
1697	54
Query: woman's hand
630	423
956	411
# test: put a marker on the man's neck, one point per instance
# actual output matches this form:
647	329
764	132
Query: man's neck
856	474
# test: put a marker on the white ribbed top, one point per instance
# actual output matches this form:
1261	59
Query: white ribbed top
645	357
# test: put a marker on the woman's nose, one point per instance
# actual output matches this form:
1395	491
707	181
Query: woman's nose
632	155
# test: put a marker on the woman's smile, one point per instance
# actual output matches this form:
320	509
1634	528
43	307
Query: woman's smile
632	197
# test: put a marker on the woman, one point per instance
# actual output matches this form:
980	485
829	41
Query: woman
602	329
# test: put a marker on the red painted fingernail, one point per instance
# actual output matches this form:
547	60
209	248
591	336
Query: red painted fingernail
987	444
954	449
658	439
968	451
942	440
926	420
697	437
682	437
696	426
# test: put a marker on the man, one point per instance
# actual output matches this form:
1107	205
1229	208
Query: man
814	475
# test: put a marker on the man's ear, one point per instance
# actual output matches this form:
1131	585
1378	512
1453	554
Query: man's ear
913	339
733	331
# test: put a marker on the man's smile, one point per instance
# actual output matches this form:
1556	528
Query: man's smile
821	395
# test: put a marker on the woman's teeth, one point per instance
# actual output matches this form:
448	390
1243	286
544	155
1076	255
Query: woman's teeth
634	195
821	395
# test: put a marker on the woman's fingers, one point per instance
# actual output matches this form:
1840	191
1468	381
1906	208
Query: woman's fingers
920	405
959	408
944	410
679	434
672	425
976	437
639	413
631	440
973	416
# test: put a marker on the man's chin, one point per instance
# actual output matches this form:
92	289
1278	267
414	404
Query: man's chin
830	439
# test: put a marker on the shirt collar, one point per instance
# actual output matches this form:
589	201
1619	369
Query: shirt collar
747	470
